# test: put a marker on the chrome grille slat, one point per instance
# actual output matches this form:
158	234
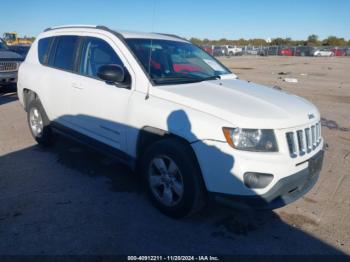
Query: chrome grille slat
308	139
8	66
318	133
301	142
313	137
291	143
304	141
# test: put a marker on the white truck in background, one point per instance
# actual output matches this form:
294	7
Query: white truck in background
233	50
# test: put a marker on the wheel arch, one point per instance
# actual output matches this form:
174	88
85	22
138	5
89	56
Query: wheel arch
28	96
148	135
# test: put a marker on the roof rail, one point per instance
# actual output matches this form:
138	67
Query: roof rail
105	28
76	26
172	35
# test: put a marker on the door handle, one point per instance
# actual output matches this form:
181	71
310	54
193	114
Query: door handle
77	86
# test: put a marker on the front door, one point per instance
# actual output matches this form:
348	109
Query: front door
99	109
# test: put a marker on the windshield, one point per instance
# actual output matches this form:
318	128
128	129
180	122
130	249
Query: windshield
173	62
3	46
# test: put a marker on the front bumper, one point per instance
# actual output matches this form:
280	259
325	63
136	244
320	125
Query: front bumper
223	170
8	77
285	191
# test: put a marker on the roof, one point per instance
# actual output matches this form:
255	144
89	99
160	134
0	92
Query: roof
124	34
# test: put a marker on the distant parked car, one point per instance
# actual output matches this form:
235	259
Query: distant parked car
286	51
9	63
219	51
338	51
208	48
304	51
269	50
323	52
20	49
251	50
347	51
263	51
233	50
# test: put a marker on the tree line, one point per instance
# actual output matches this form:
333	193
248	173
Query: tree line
312	40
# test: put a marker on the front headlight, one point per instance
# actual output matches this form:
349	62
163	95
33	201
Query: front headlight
262	140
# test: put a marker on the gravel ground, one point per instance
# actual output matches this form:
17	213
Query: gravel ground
70	200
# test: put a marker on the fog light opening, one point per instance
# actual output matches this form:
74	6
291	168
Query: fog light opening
257	180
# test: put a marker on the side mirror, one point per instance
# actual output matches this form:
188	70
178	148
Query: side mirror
112	74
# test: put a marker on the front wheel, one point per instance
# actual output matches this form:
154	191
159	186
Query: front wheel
173	179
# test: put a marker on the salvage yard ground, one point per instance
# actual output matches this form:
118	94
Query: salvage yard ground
70	200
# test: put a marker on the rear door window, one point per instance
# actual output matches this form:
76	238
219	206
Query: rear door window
64	52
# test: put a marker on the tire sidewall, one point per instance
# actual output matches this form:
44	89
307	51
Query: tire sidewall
46	137
190	172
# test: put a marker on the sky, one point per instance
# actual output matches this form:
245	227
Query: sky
211	19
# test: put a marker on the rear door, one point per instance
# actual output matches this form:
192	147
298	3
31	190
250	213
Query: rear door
99	109
60	75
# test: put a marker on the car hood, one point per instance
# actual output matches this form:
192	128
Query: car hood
9	55
243	104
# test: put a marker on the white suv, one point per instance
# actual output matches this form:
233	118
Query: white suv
174	113
233	50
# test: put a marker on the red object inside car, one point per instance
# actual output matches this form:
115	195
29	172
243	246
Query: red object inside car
178	67
186	68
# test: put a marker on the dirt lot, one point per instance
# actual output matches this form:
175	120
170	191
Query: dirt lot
70	200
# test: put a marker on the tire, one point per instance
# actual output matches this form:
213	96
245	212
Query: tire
185	175
38	123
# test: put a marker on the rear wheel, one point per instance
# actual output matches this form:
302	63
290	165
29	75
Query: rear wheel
39	123
173	179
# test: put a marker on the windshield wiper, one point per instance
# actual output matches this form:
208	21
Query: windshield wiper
175	80
189	79
210	78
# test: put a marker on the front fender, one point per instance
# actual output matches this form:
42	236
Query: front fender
187	123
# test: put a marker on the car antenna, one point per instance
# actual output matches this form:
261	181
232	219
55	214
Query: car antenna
150	51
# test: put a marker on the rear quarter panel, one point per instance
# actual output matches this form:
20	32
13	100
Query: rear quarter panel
33	76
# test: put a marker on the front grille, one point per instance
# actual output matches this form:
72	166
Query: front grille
303	141
8	66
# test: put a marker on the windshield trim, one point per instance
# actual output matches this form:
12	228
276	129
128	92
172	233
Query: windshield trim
154	83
